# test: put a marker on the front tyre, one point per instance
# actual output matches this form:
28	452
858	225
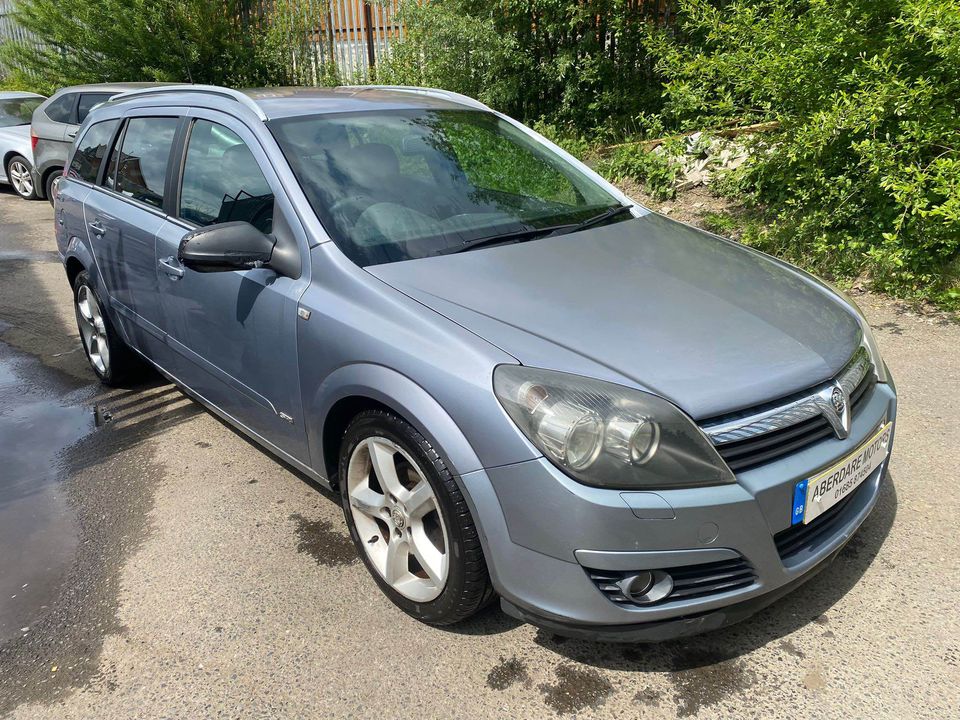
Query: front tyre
111	359
410	522
21	177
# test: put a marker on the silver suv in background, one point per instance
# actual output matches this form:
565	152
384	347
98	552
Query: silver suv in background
55	124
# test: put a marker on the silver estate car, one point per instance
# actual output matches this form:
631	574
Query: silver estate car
523	384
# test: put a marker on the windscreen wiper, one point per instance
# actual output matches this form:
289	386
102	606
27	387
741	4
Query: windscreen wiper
502	238
532	232
611	212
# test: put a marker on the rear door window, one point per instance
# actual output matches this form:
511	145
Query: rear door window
141	163
91	150
222	180
88	101
61	109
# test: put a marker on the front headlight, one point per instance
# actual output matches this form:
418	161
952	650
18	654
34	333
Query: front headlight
605	434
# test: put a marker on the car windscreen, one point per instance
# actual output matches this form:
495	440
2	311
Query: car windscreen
403	184
18	111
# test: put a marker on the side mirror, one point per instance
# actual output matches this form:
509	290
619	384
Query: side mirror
226	246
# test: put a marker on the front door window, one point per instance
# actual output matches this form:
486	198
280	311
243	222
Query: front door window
222	181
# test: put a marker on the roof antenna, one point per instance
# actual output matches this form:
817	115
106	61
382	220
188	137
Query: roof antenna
183	54
186	63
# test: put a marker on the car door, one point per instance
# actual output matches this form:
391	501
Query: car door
234	332
123	215
85	170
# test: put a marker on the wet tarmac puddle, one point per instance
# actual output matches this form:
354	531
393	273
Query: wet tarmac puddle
507	672
575	689
38	533
29	255
327	545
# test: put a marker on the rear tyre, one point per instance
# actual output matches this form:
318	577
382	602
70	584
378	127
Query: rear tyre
111	359
21	177
48	185
410	522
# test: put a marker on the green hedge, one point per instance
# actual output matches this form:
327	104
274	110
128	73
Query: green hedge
865	174
203	41
582	65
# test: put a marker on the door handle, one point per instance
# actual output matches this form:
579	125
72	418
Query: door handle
171	267
71	134
97	227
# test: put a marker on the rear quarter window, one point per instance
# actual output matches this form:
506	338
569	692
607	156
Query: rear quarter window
61	109
87	102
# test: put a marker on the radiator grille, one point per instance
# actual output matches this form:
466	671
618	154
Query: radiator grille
796	542
763	433
745	454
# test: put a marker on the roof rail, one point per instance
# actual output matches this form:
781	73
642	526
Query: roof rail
240	97
430	92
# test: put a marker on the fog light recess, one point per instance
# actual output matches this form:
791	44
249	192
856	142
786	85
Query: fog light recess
646	587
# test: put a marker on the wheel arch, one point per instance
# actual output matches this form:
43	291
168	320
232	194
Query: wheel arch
353	388
9	156
74	267
77	258
42	188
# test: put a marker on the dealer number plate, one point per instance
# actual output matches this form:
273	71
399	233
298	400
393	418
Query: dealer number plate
816	495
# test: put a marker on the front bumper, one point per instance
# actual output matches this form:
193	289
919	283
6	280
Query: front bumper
543	531
659	631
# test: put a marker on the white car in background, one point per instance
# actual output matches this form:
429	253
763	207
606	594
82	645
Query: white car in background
16	152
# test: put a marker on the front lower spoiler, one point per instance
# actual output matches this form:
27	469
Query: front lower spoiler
674	628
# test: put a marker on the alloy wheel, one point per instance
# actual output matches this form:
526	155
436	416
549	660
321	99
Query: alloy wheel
398	519
21	178
93	329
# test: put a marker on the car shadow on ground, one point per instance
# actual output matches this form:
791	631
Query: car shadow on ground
808	604
330	495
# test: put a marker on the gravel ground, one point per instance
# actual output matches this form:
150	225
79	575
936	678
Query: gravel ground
209	580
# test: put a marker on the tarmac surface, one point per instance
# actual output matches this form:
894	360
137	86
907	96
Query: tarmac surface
154	563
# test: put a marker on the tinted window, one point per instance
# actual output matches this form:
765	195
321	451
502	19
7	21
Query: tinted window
142	160
87	101
222	180
91	150
61	109
18	111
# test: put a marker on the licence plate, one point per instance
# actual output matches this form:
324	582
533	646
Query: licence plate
816	495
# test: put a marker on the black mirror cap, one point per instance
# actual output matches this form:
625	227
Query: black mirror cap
226	246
